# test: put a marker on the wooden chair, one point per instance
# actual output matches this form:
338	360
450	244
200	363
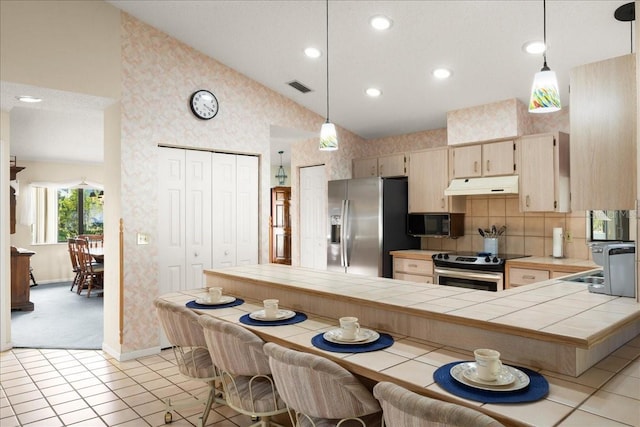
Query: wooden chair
246	378
402	407
75	264
185	334
92	272
321	392
93	240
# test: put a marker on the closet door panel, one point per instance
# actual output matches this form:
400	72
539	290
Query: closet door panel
247	210
198	214
224	210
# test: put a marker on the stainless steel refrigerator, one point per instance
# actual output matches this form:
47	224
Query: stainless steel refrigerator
367	218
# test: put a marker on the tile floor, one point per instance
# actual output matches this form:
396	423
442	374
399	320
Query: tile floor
49	388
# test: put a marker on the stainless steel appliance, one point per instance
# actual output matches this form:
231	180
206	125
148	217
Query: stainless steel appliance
473	270
367	219
619	269
435	225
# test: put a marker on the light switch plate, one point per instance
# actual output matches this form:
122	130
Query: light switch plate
143	239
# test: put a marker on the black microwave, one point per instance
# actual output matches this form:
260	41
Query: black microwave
435	225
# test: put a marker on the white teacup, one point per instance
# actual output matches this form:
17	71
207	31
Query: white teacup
488	364
214	294
270	308
349	327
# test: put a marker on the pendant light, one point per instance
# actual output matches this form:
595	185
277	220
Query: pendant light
281	175
328	135
545	97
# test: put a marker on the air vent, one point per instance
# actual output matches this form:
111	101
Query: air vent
299	86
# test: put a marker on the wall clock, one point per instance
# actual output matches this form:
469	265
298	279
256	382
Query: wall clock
204	104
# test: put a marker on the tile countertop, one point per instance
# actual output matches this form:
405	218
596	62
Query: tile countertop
606	394
551	263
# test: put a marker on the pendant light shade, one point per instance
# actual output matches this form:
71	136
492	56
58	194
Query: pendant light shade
328	135
545	96
281	175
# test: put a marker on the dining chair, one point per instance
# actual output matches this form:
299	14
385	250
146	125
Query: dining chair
246	377
321	392
404	408
75	264
192	357
93	240
92	272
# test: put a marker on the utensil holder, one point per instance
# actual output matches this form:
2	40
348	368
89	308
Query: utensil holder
491	245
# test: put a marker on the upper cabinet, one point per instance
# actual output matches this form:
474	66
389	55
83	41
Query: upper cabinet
390	165
604	114
544	173
428	178
489	159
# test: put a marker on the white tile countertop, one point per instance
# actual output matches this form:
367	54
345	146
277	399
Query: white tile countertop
606	394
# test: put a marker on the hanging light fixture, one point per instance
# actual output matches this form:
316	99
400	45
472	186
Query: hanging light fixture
281	175
545	97
328	135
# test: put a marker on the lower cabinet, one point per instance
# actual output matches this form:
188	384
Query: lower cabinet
413	270
524	275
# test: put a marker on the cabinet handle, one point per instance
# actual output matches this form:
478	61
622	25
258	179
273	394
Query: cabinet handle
413	265
488	165
381	170
527	201
442	203
529	276
373	171
475	166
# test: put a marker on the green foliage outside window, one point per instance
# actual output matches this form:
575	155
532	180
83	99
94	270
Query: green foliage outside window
78	213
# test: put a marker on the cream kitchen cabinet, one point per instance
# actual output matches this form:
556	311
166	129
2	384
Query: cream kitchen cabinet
413	266
544	173
428	178
488	159
520	272
390	165
603	117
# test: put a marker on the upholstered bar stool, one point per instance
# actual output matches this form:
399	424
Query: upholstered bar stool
404	408
321	392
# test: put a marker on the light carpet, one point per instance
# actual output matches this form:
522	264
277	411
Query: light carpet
60	319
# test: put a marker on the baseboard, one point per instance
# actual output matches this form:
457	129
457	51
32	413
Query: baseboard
122	357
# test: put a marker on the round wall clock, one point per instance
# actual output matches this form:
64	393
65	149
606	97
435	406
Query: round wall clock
204	104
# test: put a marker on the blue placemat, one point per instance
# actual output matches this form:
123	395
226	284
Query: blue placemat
384	341
537	389
194	304
299	317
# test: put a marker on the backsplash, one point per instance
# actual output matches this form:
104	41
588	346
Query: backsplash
528	233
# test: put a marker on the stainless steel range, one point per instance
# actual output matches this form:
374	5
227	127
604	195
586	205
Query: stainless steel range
473	270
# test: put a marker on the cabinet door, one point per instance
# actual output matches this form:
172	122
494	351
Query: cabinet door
498	158
365	168
392	165
537	174
467	161
428	178
526	276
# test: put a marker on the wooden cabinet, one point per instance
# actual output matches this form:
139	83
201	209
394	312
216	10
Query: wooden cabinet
603	117
12	197
520	273
390	165
488	159
428	178
527	276
412	268
544	173
280	237
20	285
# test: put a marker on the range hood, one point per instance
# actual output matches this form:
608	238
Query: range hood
485	185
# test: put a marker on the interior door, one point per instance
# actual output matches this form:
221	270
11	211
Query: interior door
313	217
247	210
198	217
224	210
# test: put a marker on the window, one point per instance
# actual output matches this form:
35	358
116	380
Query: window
61	213
608	225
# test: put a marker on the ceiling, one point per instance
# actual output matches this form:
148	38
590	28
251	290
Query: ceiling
480	41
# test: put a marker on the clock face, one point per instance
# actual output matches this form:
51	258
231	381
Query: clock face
204	104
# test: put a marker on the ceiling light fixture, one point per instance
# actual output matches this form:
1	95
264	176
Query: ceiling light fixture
545	97
328	135
373	92
535	47
312	52
281	175
380	22
28	99
441	73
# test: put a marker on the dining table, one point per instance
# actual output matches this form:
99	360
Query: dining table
97	254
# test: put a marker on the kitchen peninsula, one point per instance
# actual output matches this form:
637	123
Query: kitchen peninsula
554	325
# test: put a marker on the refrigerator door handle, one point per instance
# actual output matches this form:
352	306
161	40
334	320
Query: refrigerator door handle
342	224
346	231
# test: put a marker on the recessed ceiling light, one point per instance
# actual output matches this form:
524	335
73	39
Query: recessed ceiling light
28	98
373	92
380	22
535	47
441	73
312	52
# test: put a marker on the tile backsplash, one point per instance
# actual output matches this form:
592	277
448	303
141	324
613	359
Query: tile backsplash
528	233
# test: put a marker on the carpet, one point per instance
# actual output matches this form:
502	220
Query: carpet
60	319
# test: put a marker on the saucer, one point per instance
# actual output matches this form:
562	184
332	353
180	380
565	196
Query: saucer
281	315
505	377
225	299
364	336
521	380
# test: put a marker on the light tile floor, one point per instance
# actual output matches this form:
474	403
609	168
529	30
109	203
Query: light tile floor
50	388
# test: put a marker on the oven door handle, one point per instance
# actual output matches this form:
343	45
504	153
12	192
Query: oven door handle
467	274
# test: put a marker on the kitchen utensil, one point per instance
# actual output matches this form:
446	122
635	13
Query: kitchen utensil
501	230
494	232
481	231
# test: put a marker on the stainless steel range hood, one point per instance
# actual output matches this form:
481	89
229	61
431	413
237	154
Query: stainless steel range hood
485	185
